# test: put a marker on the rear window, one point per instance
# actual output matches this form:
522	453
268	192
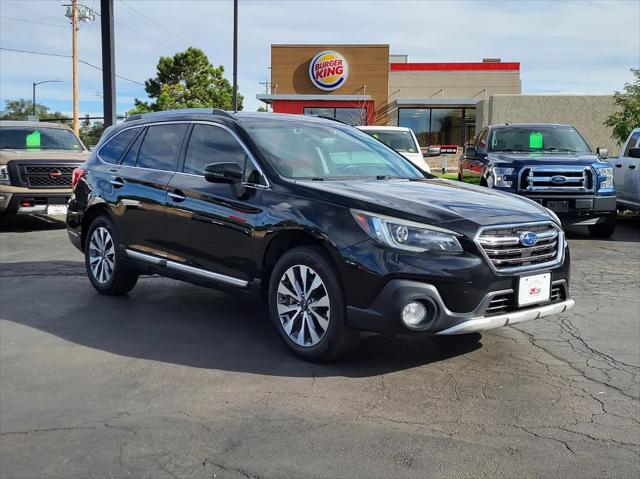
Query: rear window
22	138
401	141
160	147
113	149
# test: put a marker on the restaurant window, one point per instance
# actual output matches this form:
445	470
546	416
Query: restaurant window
352	116
438	126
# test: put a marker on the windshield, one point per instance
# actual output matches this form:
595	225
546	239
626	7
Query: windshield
306	150
546	139
22	138
401	141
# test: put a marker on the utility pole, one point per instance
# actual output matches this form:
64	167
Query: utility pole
77	13
108	63
235	55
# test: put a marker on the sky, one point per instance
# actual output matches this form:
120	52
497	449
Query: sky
564	46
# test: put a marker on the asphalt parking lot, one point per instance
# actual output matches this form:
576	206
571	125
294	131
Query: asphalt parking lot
178	381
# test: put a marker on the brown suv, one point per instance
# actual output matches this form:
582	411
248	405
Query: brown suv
36	166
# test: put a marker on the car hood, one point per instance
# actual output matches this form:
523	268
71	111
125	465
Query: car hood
55	155
528	159
434	201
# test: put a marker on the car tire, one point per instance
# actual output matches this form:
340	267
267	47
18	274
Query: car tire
604	229
302	278
106	266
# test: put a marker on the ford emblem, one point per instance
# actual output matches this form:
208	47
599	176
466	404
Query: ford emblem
528	238
558	179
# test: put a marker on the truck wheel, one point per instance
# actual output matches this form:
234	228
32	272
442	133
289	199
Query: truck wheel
107	269
307	306
604	229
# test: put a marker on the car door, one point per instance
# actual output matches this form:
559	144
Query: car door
211	226
139	185
473	165
627	172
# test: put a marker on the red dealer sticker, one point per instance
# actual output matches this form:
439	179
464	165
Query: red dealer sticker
328	70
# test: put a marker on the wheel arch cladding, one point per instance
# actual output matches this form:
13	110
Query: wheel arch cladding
91	214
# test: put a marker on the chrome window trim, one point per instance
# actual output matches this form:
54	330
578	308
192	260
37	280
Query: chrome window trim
190	122
557	261
223	278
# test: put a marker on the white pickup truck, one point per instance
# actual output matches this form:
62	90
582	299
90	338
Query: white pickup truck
627	173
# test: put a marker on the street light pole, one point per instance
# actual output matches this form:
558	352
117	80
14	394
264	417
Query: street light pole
33	100
235	55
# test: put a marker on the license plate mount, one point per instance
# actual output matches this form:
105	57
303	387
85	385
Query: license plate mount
534	289
558	206
56	210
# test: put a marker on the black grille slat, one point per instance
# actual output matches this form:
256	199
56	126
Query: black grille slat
503	248
47	176
506	302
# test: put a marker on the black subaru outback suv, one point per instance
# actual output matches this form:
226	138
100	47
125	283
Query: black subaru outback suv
336	231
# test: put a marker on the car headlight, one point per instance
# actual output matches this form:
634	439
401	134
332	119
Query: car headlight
4	175
500	177
554	216
407	235
605	175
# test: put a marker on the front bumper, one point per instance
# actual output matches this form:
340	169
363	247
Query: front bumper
384	313
11	203
587	209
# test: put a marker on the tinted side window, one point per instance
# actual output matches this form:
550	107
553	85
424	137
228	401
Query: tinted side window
632	142
114	148
132	155
160	147
211	144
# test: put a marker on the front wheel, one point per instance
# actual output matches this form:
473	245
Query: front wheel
307	306
604	229
107	268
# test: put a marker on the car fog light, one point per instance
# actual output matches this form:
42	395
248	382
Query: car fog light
413	314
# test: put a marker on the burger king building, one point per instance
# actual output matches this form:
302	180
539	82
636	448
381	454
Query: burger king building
364	84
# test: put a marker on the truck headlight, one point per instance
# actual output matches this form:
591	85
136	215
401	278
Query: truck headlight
407	235
605	175
500	177
4	175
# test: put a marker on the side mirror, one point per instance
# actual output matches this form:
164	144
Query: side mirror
602	153
470	151
634	152
223	173
434	151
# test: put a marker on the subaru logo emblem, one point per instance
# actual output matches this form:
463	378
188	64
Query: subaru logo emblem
528	238
558	179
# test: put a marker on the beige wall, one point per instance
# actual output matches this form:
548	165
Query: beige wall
461	84
586	112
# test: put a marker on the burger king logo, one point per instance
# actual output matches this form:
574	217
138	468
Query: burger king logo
328	70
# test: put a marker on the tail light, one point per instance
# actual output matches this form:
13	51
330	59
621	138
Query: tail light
76	176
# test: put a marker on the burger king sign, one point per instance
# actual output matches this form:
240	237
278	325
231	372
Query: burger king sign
328	70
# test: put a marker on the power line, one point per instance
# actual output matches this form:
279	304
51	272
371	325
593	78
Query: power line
150	21
32	21
84	62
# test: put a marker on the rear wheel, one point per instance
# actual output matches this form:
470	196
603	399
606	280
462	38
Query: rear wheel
307	306
106	267
604	229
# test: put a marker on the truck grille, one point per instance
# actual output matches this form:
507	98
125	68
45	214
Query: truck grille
47	176
556	179
503	246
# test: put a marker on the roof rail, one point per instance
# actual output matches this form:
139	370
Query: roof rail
202	111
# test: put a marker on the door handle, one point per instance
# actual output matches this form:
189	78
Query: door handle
618	165
117	182
633	167
177	196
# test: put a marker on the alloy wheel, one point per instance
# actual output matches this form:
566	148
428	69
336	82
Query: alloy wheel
102	254
303	305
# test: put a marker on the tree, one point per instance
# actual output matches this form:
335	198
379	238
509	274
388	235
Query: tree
90	133
187	80
262	109
21	109
627	117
